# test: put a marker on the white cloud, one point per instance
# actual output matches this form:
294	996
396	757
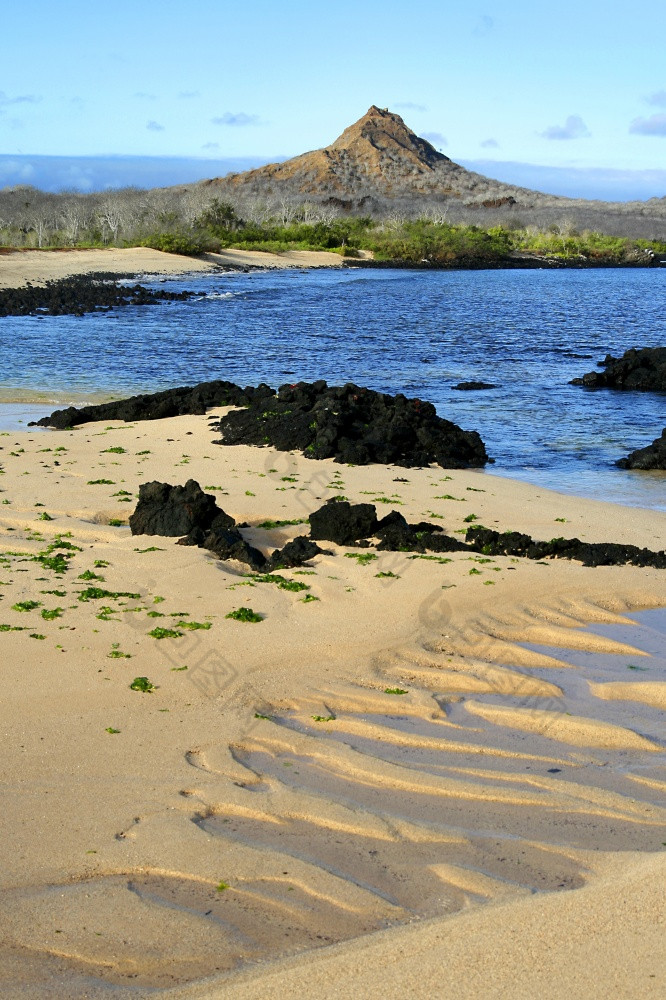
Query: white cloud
573	128
654	125
239	120
154	127
490	144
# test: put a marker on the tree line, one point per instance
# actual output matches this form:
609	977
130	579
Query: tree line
194	220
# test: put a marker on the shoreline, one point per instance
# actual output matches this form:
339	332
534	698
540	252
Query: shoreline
275	780
19	266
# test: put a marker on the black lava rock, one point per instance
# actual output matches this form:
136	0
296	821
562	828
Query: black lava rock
295	553
188	512
651	457
354	425
474	386
157	405
513	543
176	510
228	543
641	369
342	522
79	294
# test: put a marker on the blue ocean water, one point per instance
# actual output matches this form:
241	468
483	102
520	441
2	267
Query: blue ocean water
416	332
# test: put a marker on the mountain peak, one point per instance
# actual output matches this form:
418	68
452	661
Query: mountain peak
385	131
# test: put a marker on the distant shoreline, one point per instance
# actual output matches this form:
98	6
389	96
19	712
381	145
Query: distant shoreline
20	266
17	267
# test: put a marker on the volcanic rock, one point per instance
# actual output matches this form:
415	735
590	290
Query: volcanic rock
295	553
188	512
474	386
157	405
342	522
79	294
642	369
651	457
514	543
354	425
176	510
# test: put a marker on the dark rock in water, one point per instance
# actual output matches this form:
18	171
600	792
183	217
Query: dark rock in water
474	386
79	294
513	543
157	405
641	369
342	522
295	553
355	425
651	457
176	510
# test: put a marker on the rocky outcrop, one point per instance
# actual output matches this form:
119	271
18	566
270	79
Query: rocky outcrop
354	524
158	405
514	543
650	458
347	524
188	512
80	294
642	369
474	386
354	425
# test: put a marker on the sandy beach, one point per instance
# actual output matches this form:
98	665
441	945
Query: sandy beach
412	777
37	266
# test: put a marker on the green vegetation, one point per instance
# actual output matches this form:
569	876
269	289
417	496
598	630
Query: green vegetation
362	558
323	718
269	524
164	633
97	593
395	691
116	653
142	684
245	615
279	581
26	605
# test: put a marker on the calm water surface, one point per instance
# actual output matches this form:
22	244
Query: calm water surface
420	333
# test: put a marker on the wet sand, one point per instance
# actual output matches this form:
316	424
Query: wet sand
413	777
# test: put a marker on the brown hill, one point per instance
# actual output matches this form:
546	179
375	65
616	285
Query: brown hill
377	157
378	166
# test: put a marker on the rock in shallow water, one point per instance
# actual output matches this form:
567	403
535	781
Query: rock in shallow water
650	458
641	369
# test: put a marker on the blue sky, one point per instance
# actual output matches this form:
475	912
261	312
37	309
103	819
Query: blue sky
568	94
